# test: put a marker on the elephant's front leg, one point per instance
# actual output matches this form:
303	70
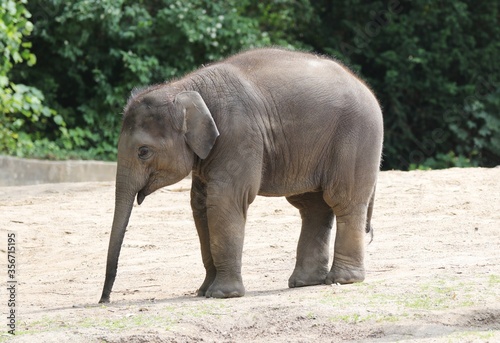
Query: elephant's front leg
199	207
226	211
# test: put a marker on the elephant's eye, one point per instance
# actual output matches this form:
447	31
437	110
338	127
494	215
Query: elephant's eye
144	152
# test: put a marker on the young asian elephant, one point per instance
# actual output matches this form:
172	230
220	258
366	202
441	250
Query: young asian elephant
265	122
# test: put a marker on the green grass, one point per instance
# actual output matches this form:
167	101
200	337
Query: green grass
494	280
129	321
379	301
376	298
44	324
469	336
126	321
354	318
209	308
164	318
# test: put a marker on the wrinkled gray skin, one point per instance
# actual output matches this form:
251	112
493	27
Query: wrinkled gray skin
265	122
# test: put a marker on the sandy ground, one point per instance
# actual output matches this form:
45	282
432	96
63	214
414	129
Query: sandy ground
433	269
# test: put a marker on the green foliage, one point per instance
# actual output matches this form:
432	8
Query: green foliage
433	65
442	161
93	53
21	106
284	21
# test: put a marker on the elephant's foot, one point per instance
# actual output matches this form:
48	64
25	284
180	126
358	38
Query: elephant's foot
225	288
202	291
301	278
345	275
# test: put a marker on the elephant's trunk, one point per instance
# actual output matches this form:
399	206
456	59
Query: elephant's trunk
124	201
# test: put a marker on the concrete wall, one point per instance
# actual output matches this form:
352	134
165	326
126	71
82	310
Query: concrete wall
17	171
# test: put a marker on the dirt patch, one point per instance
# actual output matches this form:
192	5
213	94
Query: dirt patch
433	271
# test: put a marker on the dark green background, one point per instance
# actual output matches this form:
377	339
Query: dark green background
434	65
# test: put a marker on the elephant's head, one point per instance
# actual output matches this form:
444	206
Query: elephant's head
157	147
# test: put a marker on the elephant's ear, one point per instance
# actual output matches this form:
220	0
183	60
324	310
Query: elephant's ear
200	129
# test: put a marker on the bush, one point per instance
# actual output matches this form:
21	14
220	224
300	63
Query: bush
93	53
21	106
433	65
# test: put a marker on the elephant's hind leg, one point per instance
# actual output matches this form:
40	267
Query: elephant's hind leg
311	266
350	208
348	257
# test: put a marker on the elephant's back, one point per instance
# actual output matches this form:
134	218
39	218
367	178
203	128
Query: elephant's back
298	74
304	81
276	64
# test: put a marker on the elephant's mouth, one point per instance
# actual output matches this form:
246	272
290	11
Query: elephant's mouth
141	196
149	188
143	193
156	181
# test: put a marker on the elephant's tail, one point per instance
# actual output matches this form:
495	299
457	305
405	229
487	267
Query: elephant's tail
369	230
369	227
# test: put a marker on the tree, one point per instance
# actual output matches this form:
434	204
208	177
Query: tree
93	53
21	107
433	65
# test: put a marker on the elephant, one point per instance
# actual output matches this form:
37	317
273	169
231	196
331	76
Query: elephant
270	122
